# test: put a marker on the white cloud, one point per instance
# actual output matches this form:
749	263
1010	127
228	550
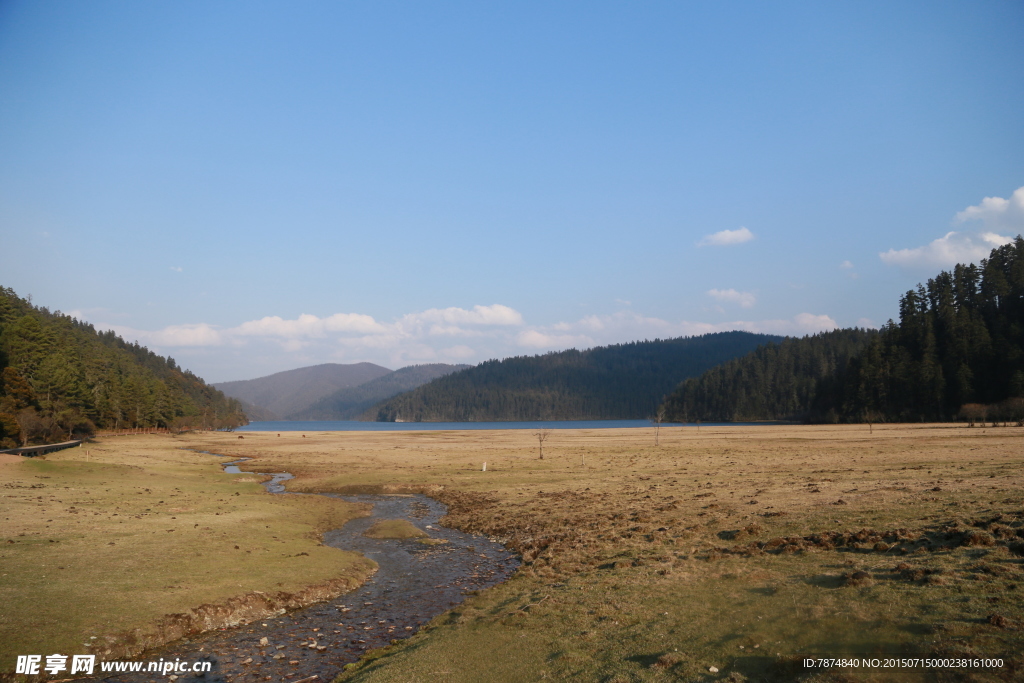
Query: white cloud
867	323
810	323
496	314
373	341
176	269
344	335
744	299
726	238
199	334
459	352
997	213
307	325
846	265
272	343
452	331
953	248
993	213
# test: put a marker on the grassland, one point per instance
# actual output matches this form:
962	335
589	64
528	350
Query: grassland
743	549
100	543
394	528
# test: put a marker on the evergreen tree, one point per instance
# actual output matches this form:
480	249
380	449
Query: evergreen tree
959	341
783	381
59	377
622	381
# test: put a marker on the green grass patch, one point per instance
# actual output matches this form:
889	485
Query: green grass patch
394	528
96	548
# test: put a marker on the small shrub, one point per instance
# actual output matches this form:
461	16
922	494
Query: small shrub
753	529
668	660
999	621
978	538
858	578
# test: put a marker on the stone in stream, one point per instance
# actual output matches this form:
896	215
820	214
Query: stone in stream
413	584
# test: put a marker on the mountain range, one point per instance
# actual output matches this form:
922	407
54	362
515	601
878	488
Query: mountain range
621	381
330	391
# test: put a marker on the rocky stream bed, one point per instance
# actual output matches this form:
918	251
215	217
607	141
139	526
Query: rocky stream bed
416	580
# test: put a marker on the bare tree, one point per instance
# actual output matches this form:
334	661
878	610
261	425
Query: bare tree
658	418
542	436
974	412
1014	408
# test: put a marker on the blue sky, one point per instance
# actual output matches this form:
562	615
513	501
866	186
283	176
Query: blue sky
251	187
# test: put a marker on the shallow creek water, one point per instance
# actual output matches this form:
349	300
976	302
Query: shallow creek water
414	583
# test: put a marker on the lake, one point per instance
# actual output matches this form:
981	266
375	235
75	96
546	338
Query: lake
353	426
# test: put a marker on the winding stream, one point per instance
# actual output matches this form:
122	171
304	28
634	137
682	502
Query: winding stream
414	583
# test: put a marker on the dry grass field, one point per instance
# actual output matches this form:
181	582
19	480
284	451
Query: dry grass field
100	542
738	549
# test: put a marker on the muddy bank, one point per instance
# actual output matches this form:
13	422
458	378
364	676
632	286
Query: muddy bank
263	637
233	612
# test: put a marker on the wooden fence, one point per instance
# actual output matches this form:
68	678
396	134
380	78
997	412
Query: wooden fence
133	431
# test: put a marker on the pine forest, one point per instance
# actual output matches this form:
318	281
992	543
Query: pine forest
60	378
957	352
622	381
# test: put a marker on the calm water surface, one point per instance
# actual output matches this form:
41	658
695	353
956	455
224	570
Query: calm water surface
353	426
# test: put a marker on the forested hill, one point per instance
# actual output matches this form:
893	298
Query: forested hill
350	402
624	381
959	342
59	377
775	382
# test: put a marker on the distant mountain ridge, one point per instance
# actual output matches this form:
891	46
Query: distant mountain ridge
285	393
255	413
623	381
349	403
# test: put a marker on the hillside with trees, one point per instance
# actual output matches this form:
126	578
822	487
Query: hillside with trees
959	340
349	403
59	378
957	351
623	381
783	381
